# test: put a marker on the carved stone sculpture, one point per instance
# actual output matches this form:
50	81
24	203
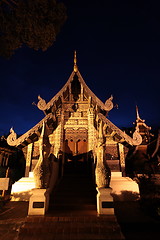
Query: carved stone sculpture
102	174
109	103
41	171
102	171
41	104
12	137
137	138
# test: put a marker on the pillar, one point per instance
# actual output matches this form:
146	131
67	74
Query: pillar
122	157
28	159
91	130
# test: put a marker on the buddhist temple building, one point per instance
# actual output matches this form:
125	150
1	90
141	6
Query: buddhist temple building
75	128
143	158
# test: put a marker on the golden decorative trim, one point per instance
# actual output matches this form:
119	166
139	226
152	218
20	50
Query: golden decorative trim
12	139
75	68
41	104
109	103
136	140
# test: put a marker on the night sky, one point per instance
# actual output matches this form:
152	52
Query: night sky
118	53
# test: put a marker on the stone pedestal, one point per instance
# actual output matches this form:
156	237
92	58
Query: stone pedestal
4	183
105	201
39	202
22	189
4	186
124	188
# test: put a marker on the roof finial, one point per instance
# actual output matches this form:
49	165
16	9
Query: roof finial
137	112
75	62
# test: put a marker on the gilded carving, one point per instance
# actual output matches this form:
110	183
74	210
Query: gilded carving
12	138
121	154
72	122
123	137
29	158
76	134
82	122
41	104
109	103
41	171
137	138
102	172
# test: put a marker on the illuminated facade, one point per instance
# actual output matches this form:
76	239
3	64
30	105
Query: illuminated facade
75	127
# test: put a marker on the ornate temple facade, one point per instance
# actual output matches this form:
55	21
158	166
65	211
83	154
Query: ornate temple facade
75	127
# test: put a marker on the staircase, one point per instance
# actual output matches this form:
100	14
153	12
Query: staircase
71	228
72	214
75	195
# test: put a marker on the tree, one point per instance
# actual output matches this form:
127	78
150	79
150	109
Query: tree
34	23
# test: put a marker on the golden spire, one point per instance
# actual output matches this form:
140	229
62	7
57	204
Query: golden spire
137	112
75	62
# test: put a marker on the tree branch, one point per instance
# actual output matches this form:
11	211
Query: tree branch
9	4
15	3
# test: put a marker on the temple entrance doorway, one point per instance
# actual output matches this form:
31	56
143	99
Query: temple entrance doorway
76	157
75	150
75	194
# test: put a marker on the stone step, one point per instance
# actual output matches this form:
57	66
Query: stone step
71	236
70	201
25	183
124	189
73	228
116	174
21	190
73	201
73	206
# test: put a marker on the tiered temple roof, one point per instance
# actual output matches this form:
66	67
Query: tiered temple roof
50	109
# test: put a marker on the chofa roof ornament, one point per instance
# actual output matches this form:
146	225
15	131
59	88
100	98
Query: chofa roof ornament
41	104
11	139
137	138
109	103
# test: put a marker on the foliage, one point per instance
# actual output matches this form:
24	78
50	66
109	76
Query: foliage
33	23
150	195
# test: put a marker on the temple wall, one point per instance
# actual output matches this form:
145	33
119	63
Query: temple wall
115	156
112	151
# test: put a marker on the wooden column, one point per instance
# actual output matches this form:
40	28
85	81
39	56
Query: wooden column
28	159
58	133
122	158
91	130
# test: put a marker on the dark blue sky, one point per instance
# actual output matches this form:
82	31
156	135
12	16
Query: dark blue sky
118	52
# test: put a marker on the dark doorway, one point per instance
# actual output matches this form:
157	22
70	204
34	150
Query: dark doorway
76	157
75	194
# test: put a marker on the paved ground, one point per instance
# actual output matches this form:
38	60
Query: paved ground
136	224
74	217
12	217
15	225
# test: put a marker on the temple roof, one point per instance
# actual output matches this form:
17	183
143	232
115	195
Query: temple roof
34	133
56	101
107	106
31	135
144	129
118	134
